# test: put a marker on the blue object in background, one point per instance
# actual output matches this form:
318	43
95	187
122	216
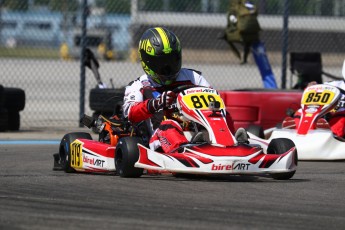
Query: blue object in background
259	54
155	94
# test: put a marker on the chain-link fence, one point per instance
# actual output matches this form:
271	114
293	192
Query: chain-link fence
41	43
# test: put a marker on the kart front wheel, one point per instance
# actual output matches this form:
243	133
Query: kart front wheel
279	146
127	153
65	149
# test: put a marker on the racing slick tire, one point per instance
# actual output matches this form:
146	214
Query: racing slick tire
65	151
279	146
3	119
127	153
116	111
13	120
2	96
14	99
105	100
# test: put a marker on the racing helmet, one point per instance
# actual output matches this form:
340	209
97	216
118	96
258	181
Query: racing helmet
160	55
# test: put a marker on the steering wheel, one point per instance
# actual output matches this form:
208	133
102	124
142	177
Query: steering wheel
179	89
184	87
176	91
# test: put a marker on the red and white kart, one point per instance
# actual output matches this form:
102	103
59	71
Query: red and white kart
217	152
312	135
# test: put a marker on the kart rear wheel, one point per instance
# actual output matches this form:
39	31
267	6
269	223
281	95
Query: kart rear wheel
127	153
279	146
65	151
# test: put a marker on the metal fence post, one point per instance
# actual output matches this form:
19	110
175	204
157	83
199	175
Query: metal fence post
285	41
82	56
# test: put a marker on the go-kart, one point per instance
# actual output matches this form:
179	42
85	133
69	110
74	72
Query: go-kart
311	133
212	149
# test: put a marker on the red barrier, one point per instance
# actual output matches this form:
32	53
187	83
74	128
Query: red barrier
265	107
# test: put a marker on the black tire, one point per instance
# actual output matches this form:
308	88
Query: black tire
105	100
14	99
118	108
127	153
65	151
3	119
13	120
257	130
2	96
96	114
279	146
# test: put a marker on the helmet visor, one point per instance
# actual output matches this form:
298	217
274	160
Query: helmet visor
167	65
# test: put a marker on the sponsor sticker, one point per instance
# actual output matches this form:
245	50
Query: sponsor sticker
234	166
76	154
93	161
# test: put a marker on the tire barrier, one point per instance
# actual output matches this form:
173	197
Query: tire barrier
12	101
106	101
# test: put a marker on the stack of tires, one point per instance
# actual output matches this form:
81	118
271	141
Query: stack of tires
12	101
106	102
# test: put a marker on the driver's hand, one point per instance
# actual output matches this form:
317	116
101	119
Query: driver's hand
164	100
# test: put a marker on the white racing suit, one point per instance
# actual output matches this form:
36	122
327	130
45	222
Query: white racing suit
165	134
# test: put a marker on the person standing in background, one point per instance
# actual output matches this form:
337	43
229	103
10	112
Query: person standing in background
242	27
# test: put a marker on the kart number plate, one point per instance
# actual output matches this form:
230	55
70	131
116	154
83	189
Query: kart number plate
201	100
76	154
318	98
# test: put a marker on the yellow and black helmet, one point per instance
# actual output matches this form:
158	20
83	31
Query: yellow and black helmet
160	55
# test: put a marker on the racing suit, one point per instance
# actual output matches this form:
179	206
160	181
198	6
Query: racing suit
166	134
336	119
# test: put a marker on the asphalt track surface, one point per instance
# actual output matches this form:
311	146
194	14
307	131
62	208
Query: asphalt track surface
33	196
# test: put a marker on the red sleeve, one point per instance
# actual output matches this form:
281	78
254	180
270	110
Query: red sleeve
139	112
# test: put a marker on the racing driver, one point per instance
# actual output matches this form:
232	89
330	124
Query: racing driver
335	119
161	59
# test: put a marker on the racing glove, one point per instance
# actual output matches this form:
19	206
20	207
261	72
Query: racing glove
164	100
